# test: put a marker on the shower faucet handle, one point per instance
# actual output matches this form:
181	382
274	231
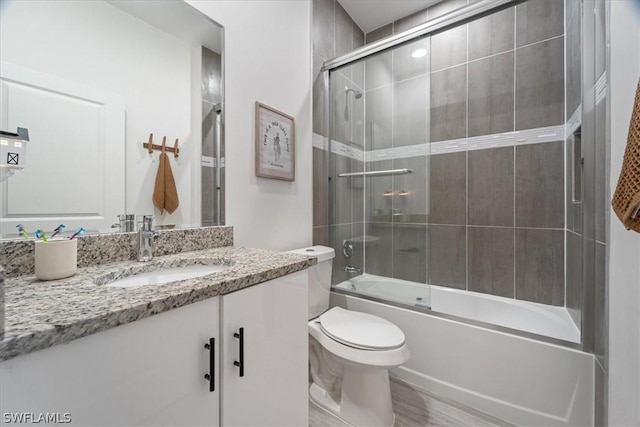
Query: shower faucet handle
347	248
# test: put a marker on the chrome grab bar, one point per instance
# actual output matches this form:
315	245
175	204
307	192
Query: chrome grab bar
377	173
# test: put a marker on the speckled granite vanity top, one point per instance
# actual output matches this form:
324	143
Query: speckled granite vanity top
43	314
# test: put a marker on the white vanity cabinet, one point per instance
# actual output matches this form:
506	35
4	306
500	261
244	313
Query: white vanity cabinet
151	372
273	390
147	373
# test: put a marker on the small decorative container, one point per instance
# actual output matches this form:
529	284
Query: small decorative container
56	259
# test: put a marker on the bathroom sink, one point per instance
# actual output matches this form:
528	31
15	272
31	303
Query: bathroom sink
166	275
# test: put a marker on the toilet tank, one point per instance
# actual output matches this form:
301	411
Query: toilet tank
319	278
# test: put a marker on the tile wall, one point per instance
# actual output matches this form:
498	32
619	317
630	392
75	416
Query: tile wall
335	34
494	218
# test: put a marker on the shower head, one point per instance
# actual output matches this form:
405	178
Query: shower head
356	93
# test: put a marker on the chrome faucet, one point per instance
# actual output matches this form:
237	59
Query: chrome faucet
146	236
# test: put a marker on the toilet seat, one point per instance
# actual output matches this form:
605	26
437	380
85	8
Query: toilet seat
361	330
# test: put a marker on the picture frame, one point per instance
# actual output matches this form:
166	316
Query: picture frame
275	144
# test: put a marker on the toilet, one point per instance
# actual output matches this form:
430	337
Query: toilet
350	353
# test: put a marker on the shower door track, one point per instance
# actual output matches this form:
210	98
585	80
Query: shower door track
444	22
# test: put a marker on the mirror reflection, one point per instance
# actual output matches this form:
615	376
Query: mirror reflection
91	81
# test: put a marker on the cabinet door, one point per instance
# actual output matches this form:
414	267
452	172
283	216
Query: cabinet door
273	390
148	372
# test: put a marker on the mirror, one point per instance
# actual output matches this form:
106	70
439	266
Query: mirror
91	81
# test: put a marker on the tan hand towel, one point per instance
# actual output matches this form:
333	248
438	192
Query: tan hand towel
626	199
158	189
171	201
165	192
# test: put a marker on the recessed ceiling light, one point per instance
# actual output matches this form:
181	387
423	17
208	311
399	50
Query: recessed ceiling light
419	53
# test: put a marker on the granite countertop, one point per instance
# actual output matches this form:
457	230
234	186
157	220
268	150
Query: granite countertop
42	314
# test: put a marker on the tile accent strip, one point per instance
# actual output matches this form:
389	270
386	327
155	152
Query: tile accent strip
506	139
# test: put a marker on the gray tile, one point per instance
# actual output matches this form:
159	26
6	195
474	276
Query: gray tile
320	187
323	28
448	256
405	66
378	70
601	193
491	95
208	196
358	229
540	84
379	256
410	191
344	31
410	252
357	120
379	190
491	184
378	118
340	101
357	186
574	277
490	260
358	36
319	102
357	68
449	104
539	20
378	33
337	235
492	34
540	185
410	112
449	48
448	188
410	21
540	266
445	7
601	342
601	38
209	118
573	57
341	212
321	236
211	83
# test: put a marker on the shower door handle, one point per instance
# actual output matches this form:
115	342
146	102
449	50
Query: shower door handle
240	363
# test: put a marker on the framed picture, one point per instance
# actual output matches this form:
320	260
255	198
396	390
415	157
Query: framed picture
275	144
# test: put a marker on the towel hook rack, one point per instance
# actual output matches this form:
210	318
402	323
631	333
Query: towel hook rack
150	146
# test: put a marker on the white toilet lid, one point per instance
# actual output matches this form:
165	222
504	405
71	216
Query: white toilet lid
361	330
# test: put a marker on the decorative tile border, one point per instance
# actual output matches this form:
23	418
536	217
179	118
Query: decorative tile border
506	139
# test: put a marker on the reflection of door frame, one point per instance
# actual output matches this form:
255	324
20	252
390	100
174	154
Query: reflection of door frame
111	174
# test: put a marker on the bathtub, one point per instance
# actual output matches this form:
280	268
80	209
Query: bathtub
457	355
540	319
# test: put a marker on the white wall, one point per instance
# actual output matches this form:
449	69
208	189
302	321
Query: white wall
624	264
98	45
267	58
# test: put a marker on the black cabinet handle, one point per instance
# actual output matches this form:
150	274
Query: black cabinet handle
211	376
240	364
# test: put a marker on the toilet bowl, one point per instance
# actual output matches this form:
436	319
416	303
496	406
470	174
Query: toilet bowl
350	353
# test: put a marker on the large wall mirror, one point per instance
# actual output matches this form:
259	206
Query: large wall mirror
91	80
